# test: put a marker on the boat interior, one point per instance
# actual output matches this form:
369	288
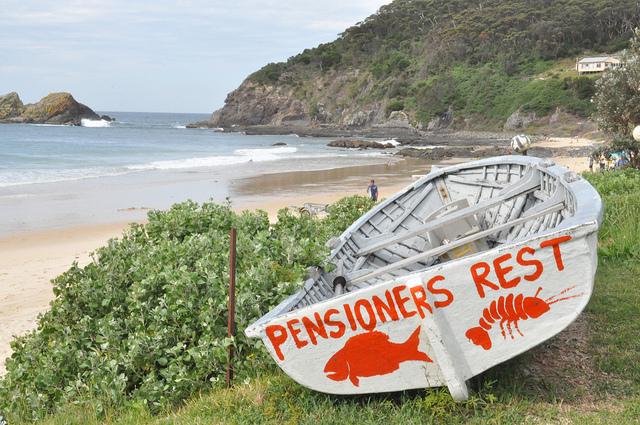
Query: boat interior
439	219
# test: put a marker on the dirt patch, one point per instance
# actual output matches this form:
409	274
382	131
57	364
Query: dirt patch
564	365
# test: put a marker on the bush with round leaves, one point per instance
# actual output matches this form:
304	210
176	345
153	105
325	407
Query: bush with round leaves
146	320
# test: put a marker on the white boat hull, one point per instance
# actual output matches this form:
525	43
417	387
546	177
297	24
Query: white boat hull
446	323
456	302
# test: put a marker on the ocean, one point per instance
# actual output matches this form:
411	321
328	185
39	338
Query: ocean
138	142
107	172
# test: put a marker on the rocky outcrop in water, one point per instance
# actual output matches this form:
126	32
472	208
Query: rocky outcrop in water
359	144
55	108
440	153
10	106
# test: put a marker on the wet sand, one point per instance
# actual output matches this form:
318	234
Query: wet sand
354	179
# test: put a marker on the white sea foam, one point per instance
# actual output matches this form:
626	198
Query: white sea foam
177	164
426	147
371	154
392	142
36	176
94	123
264	152
179	126
241	156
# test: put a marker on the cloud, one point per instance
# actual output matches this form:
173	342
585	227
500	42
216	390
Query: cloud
217	41
28	12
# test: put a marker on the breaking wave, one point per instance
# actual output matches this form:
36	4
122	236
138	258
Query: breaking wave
85	122
392	142
240	156
35	176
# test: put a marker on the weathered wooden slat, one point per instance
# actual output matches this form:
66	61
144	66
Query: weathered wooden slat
481	183
409	210
478	195
436	252
515	212
524	185
381	216
359	263
558	196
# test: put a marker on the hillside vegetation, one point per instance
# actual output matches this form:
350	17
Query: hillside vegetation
142	330
477	62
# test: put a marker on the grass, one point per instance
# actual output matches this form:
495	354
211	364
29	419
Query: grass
589	374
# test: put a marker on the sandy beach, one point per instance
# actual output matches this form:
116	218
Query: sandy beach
27	264
577	164
30	259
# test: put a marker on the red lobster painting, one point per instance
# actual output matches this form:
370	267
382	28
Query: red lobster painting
511	310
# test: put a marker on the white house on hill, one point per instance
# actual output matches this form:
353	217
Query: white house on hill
597	64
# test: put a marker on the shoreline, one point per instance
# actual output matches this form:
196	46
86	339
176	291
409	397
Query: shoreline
31	258
403	131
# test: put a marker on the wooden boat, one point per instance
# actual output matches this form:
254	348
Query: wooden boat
464	269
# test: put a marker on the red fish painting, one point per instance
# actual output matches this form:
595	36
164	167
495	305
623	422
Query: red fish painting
372	354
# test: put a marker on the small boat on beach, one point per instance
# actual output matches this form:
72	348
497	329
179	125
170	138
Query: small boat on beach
464	269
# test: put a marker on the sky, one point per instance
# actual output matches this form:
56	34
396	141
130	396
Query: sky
157	56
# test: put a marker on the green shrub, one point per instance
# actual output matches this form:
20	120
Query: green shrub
268	74
314	110
394	105
583	88
389	64
146	320
489	91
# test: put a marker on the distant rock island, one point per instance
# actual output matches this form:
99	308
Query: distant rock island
55	108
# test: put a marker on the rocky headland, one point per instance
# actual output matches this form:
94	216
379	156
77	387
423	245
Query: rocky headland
414	68
55	108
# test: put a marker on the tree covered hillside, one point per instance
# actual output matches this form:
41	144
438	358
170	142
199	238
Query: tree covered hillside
478	59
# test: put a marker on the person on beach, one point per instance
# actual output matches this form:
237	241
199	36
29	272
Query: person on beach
591	164
372	190
622	162
601	164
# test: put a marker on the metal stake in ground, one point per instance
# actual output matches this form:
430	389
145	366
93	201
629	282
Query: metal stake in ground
231	323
